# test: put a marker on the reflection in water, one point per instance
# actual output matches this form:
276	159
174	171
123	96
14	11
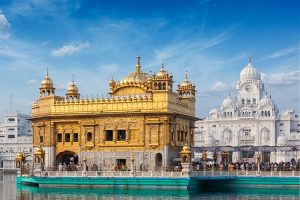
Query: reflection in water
9	190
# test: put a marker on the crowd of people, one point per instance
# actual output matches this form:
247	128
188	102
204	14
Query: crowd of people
264	166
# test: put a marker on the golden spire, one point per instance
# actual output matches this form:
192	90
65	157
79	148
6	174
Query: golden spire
73	83
138	64
162	65
186	76
47	75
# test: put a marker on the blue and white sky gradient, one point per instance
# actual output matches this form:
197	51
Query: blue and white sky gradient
95	40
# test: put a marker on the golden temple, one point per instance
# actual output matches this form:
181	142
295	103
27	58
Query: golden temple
143	119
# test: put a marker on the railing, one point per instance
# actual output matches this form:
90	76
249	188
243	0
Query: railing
174	174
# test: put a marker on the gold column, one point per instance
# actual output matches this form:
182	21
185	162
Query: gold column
104	136
114	135
71	137
127	135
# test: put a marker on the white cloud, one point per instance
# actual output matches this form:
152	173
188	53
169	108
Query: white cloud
192	46
219	86
280	53
4	25
109	68
278	79
70	49
31	81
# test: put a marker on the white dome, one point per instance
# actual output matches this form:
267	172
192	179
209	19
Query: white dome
228	102
212	111
282	140
266	101
249	74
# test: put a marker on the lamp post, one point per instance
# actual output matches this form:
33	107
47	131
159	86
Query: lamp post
20	159
132	159
84	167
204	157
258	164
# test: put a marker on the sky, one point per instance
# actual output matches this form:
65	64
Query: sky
98	40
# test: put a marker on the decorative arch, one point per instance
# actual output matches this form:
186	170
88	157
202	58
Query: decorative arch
128	90
227	136
265	134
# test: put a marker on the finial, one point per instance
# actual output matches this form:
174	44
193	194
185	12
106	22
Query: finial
138	59
186	75
73	79
47	72
138	64
250	59
162	65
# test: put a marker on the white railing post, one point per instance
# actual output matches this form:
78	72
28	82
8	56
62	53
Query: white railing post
228	170
172	173
151	173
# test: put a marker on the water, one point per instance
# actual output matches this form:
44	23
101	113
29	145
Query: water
9	190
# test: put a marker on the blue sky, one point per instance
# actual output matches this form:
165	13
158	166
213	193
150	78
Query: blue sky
96	40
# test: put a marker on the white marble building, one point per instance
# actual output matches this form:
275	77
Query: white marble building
15	135
249	125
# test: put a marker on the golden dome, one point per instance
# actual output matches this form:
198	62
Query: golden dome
72	89
186	82
136	77
112	83
19	156
186	149
39	151
47	82
162	72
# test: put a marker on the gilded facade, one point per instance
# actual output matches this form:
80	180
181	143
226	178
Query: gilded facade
142	119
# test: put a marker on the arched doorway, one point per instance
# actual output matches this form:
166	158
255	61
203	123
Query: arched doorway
67	158
1	164
158	162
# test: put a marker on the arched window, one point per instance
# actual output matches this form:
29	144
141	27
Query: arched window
155	86
159	86
265	133
262	113
164	86
230	114
269	114
89	136
227	136
224	114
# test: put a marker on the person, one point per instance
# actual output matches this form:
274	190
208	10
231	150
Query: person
221	166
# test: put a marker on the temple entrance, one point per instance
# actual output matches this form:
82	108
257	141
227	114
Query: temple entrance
158	162
226	157
248	156
67	158
121	165
265	156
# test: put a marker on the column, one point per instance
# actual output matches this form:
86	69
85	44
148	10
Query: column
114	135
127	135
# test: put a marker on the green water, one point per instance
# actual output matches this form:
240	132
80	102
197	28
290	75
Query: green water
9	190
